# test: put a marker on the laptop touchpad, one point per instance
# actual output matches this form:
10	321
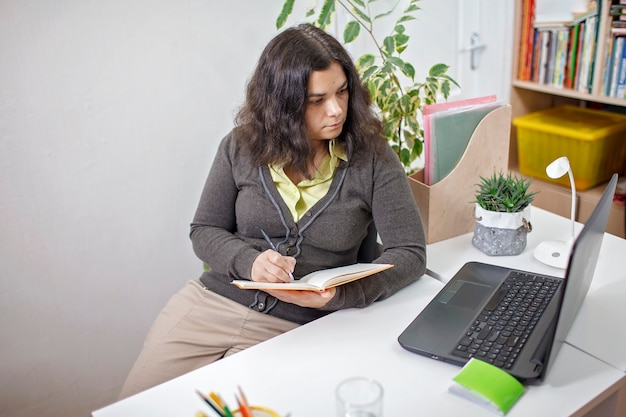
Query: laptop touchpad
465	294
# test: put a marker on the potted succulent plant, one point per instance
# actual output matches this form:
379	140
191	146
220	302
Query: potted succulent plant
502	214
390	79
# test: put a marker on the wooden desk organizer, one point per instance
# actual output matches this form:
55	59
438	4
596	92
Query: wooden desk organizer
447	206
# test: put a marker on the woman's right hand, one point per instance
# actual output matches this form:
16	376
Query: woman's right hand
271	266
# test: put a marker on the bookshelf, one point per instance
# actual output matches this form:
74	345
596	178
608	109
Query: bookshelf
528	94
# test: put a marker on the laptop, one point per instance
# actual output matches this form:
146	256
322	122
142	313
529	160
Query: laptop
516	320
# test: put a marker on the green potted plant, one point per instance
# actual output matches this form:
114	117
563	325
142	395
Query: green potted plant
390	79
502	214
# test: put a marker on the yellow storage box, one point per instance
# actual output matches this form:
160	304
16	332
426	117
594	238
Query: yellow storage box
594	141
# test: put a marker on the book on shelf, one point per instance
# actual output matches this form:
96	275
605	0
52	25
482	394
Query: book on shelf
543	65
529	40
551	52
608	63
556	42
526	41
560	59
587	54
618	11
620	76
579	48
550	65
572	56
534	72
615	28
616	65
617	15
318	280
559	49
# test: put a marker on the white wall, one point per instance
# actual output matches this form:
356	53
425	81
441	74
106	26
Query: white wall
110	114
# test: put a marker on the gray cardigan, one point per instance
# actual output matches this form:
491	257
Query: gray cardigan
239	199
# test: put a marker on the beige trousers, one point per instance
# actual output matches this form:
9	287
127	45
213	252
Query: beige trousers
197	327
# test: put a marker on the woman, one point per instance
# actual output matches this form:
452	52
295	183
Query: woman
307	172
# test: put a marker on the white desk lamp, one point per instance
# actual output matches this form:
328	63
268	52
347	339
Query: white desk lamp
552	252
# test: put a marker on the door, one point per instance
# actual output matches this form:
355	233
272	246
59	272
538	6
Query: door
485	43
473	37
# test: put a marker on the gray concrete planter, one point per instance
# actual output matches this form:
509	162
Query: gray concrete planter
501	234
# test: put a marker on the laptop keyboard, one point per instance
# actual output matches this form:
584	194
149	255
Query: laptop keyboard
500	331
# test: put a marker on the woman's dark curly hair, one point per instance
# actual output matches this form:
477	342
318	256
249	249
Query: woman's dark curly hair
271	122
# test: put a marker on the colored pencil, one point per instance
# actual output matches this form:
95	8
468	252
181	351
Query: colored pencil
211	404
244	407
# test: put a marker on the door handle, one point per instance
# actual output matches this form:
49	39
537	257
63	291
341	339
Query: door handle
475	47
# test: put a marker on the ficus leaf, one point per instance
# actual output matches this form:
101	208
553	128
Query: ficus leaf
418	147
405	18
408	70
405	156
438	70
445	89
368	72
387	68
412	8
361	15
380	16
405	104
351	31
389	45
326	14
366	60
398	62
284	13
401	39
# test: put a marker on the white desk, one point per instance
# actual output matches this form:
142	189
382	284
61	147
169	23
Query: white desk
598	329
297	372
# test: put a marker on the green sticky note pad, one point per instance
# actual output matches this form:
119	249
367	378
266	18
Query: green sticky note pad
488	385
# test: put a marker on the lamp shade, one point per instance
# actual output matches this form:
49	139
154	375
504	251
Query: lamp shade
558	167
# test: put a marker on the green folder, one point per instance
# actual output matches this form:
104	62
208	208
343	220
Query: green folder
451	131
487	385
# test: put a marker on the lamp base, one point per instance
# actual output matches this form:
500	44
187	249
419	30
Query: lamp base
553	253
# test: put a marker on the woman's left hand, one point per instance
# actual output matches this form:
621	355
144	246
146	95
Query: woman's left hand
311	299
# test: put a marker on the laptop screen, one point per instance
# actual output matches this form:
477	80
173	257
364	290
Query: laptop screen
580	269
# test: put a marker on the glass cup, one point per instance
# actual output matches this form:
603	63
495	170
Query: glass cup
359	397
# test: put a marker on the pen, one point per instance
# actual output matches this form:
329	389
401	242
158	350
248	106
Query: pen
269	242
